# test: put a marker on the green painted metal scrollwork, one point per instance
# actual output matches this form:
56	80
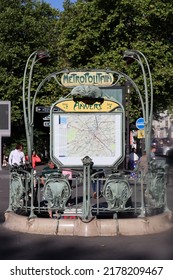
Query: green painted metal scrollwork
19	185
156	184
116	192
17	190
56	191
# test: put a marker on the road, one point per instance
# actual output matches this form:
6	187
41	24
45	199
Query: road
23	246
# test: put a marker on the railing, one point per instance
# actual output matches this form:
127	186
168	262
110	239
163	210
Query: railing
121	195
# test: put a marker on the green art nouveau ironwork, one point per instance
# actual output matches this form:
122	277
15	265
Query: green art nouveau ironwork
146	191
155	192
117	191
56	191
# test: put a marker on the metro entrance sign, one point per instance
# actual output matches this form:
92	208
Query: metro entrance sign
140	123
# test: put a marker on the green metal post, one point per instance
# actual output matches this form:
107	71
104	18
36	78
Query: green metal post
136	55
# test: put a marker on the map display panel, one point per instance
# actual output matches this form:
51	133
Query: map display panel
77	135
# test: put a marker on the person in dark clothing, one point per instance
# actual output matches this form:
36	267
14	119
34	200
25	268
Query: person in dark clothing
99	174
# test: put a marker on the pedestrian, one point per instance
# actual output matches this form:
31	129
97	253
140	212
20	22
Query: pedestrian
35	159
5	160
143	163
50	168
17	155
97	178
153	151
133	159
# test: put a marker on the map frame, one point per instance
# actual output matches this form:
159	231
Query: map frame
68	160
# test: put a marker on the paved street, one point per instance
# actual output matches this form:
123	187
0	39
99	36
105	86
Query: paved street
22	246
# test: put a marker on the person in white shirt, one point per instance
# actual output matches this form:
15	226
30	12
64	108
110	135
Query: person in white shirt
17	156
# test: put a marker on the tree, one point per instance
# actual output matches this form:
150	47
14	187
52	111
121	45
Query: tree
87	34
25	26
97	32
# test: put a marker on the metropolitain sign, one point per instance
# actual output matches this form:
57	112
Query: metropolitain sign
73	79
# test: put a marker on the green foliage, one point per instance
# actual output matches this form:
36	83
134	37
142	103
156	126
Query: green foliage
25	26
99	31
87	34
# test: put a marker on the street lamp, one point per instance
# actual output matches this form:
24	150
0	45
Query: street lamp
41	56
130	56
127	92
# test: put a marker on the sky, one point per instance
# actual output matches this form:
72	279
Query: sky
57	4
